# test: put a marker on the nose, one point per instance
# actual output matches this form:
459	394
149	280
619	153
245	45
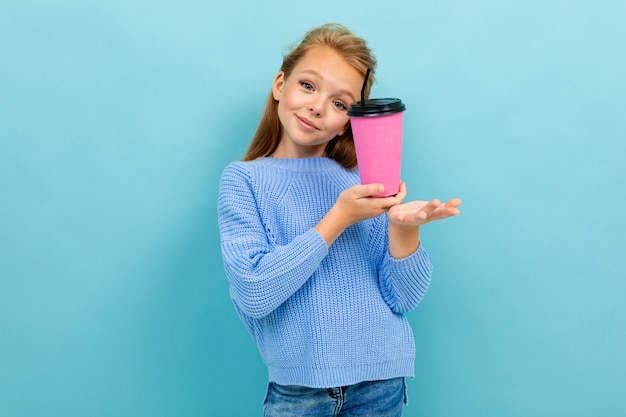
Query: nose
316	108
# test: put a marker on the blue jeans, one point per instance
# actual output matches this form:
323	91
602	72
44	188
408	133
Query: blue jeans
370	398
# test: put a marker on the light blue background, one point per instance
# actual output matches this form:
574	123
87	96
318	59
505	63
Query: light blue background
117	117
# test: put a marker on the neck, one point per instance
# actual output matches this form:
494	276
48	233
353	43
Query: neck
284	151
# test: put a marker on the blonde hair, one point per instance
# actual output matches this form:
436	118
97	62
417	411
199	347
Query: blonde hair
356	53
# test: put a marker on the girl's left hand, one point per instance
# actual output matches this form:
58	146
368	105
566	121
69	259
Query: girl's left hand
417	213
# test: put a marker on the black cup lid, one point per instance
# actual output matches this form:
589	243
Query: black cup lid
376	107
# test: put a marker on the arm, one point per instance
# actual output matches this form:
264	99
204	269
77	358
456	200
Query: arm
262	275
406	270
405	221
353	205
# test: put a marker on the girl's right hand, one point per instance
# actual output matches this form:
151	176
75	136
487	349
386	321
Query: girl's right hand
357	203
353	205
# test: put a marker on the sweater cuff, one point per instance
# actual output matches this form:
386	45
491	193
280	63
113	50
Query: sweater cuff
317	243
413	261
404	282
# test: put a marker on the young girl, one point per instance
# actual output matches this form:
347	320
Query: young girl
321	273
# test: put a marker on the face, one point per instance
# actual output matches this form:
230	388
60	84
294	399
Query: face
313	102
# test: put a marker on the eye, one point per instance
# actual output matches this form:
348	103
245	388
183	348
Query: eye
306	85
339	105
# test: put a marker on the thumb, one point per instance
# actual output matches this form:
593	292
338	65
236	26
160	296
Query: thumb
367	190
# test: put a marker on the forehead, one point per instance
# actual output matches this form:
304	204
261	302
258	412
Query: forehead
332	68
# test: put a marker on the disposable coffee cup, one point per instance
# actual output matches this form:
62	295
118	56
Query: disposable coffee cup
377	132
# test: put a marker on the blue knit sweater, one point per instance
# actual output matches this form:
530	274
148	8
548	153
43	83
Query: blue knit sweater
321	317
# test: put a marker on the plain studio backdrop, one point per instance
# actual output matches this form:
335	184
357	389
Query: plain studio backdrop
117	118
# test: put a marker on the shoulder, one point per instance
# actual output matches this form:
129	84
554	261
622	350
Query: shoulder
240	171
259	178
236	190
232	177
237	168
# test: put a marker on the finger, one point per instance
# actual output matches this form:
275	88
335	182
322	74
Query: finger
419	210
454	202
392	200
431	206
399	197
368	190
443	213
430	210
402	193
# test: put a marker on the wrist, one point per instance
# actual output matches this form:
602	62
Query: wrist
403	227
403	240
331	225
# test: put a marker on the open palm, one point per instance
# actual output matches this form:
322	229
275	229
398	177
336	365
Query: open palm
417	213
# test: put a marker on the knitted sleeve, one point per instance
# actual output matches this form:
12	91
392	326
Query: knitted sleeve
262	275
403	282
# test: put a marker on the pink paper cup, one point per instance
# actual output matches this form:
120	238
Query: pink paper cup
377	132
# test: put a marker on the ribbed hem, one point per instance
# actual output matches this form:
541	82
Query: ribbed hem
338	377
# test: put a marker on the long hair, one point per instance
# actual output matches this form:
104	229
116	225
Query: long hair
356	53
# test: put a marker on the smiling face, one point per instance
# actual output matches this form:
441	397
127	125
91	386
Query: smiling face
313	102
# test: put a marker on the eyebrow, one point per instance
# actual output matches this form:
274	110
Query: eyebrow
320	76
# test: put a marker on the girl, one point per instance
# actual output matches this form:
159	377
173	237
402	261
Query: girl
321	273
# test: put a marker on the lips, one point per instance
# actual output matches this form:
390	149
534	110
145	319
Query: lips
306	124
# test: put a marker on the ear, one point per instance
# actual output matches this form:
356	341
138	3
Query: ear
277	86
